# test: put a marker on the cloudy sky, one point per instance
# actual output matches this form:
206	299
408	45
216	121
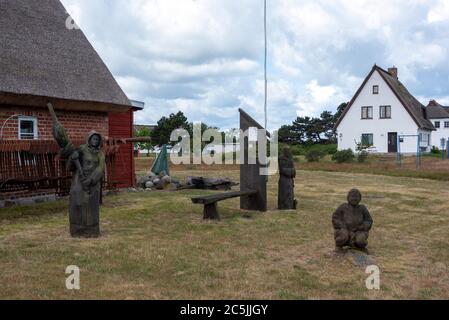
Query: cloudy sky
205	57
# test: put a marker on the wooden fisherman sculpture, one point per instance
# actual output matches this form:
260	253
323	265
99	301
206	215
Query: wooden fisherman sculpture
88	165
287	171
352	223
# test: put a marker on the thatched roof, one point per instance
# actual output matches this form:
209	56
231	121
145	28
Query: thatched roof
415	108
41	57
411	104
435	110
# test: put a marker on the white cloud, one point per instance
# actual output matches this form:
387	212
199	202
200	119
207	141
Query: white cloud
439	12
316	97
443	100
205	57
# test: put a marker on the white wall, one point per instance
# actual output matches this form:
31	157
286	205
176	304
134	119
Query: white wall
352	126
442	132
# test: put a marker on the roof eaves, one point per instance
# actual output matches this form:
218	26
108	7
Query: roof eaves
425	124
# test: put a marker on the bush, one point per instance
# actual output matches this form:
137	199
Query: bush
333	149
303	149
314	155
362	156
296	150
435	150
343	156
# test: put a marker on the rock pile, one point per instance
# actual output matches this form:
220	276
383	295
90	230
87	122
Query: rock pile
161	181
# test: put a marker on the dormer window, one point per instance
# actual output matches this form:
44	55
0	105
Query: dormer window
375	89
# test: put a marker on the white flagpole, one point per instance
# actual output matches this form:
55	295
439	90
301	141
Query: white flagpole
265	65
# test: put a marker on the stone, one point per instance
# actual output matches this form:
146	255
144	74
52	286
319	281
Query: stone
352	222
149	185
166	179
356	257
287	175
142	181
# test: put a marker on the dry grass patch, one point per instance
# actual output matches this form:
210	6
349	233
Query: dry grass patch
154	245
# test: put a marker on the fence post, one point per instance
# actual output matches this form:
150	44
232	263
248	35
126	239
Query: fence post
418	152
447	148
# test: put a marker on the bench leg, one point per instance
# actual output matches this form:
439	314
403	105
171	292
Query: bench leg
210	211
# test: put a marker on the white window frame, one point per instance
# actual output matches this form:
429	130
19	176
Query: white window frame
372	139
35	127
446	124
425	139
387	115
369	110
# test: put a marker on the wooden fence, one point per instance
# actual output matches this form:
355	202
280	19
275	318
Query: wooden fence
30	167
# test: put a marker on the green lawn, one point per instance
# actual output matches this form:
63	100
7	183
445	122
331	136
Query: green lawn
155	245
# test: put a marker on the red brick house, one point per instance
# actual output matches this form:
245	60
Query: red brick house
41	61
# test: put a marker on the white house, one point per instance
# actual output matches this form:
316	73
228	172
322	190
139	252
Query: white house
439	115
382	114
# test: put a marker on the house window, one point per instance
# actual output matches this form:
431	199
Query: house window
27	128
437	124
446	124
385	112
375	89
425	139
367	139
367	112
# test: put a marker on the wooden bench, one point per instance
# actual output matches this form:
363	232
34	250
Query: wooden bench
210	202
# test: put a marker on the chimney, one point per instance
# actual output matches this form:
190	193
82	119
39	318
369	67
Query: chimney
432	103
393	71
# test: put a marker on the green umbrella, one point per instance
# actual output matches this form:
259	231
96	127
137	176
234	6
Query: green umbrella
161	163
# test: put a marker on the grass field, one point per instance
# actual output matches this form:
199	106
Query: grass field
432	166
154	245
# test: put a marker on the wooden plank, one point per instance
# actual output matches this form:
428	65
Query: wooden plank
222	196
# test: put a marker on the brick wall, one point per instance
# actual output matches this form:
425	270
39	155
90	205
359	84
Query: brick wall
77	123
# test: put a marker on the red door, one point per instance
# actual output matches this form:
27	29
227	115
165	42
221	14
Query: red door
121	126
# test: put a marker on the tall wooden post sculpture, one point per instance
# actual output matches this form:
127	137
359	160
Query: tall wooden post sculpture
88	165
250	170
